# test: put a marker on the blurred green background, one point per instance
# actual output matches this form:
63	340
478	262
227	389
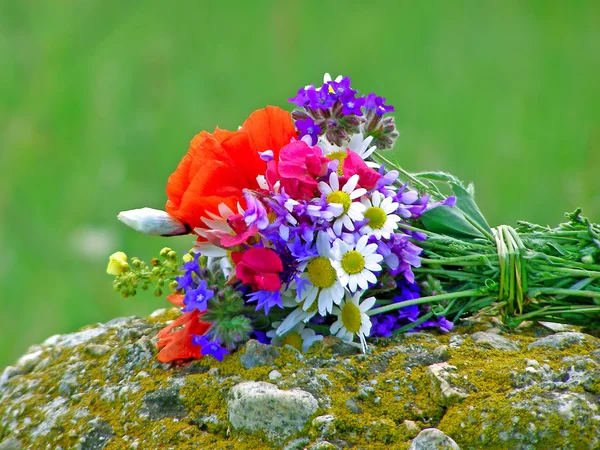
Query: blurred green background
99	99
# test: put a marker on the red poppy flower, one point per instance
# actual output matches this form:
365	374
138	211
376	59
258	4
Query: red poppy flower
177	345
220	165
258	267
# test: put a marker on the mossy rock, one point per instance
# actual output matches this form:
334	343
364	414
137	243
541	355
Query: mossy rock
102	388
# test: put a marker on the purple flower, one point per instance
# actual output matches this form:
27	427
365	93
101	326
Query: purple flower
210	347
308	127
320	99
260	336
353	106
266	300
198	298
255	213
186	281
377	104
301	98
341	90
442	323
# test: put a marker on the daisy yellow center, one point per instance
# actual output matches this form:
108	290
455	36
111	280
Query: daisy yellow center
351	317
293	339
320	272
340	156
340	197
376	216
353	262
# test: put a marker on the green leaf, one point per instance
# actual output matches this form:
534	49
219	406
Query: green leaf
438	176
466	203
449	221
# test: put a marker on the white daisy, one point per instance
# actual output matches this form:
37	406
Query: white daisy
319	279
353	319
352	211
357	143
355	264
299	337
297	316
380	211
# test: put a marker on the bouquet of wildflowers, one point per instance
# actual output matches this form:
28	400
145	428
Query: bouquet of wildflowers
304	229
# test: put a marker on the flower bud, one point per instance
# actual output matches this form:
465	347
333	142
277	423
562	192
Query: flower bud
187	258
165	251
153	222
117	264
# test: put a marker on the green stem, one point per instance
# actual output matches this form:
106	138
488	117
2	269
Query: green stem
430	299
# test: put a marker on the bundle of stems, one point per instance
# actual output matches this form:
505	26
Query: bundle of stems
529	272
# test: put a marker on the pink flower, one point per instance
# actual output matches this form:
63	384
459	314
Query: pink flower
258	267
299	167
242	231
354	164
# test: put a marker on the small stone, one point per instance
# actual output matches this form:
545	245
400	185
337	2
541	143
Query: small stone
11	444
28	362
274	375
324	425
163	403
366	392
441	353
411	428
353	406
97	349
213	372
442	382
8	373
263	406
456	340
561	341
532	363
433	439
257	354
341	348
323	445
68	384
297	444
493	340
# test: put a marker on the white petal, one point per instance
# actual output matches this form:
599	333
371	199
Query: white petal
362	245
324	188
334	181
358	193
350	184
367	304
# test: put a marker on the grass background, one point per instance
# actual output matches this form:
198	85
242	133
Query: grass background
99	99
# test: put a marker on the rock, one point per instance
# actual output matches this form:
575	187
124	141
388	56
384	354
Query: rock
443	386
274	375
97	349
263	406
102	387
411	428
11	444
353	406
341	348
258	354
493	340
433	439
324	425
561	341
163	403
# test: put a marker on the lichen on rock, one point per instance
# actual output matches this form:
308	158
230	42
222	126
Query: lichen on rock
480	386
